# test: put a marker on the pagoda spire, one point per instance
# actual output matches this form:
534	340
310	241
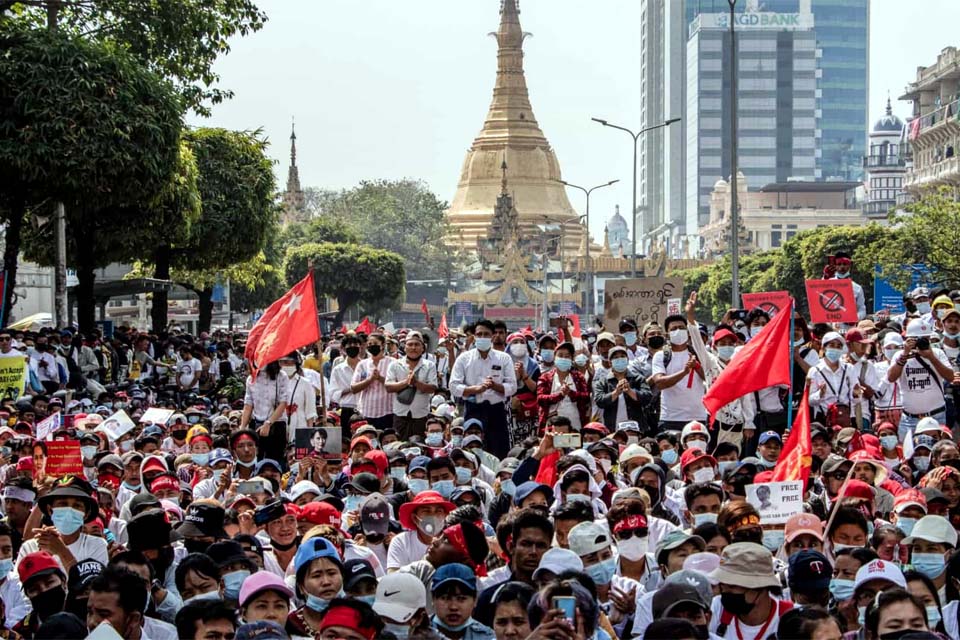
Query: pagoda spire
293	200
889	108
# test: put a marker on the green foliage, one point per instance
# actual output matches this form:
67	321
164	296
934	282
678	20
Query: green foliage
178	206
353	274
713	284
929	232
323	228
178	39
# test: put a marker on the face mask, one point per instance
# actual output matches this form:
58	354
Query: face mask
933	616
605	464
669	456
374	349
508	487
531	345
922	463
6	566
725	465
437	622
290	371
696	444
634	548
889	442
49	602
179	434
434	439
248	465
200	459
620	364
833	355
67	520
840	547
890	354
580	360
862	616
704	518
201	597
923	307
630	337
518	350
126	445
401	631
906	525
767	463
317	603
352	503
546	355
736	603
88	452
464	475
679	337
352	352
951	336
726	352
217	473
418	485
754	331
130	486
703	475
483	344
443	487
929	564
798	342
232	582
773	539
564	364
398	473
430	525
656	342
578	497
841	589
841	276
602	572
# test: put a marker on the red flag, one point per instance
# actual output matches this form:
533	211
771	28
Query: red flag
794	463
366	327
575	320
426	311
286	325
764	362
443	331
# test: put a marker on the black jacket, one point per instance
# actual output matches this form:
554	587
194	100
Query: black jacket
603	386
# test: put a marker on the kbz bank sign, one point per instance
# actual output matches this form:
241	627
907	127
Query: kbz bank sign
752	20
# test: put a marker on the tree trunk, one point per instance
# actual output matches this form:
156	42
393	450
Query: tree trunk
206	310
11	255
161	271
86	305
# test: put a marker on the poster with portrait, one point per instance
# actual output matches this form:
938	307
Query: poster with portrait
318	442
776	501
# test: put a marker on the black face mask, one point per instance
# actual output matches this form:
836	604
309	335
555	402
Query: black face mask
179	434
374	349
736	603
163	562
352	352
50	602
193	545
739	483
703	632
656	342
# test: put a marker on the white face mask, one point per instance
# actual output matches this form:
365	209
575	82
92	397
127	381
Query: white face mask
518	350
704	475
632	549
679	337
290	371
696	444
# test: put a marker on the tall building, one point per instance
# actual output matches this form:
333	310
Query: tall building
777	115
884	166
512	136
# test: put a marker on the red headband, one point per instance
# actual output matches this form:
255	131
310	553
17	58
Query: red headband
458	541
630	522
162	483
347	618
202	436
843	261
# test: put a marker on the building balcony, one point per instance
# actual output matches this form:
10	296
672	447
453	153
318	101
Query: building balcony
943	173
878	209
883	162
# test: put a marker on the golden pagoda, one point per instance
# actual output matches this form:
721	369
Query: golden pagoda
510	135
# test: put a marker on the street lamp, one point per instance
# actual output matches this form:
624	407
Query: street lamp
590	292
734	205
633	209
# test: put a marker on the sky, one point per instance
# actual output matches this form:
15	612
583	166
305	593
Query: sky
399	88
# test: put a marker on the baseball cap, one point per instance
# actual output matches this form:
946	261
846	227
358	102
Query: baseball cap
809	571
203	520
936	529
802	524
526	488
375	515
261	630
702	562
262	581
677	538
356	571
606	336
454	572
317	512
37	564
766	436
880	570
82	574
635	451
928	425
313	549
303	487
557	560
400	596
856	335
692	455
672	595
909	498
587	538
419	462
364	483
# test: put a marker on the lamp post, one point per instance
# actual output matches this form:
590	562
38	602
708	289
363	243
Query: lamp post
734	205
633	209
587	192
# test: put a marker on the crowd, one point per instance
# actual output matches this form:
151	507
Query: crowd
485	484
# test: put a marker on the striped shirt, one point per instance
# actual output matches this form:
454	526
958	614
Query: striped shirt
374	401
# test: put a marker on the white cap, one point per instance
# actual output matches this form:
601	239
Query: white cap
302	487
586	459
587	538
936	529
880	570
399	596
830	336
919	328
437	400
635	451
693	427
557	560
893	338
928	425
702	562
447	411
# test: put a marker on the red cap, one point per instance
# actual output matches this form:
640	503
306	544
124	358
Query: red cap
691	455
858	489
165	482
379	458
597	427
909	498
855	335
320	513
154	464
422	499
292	509
25	464
720	334
763	476
36	564
364	439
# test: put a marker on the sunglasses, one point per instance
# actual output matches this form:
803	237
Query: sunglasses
626	534
839	475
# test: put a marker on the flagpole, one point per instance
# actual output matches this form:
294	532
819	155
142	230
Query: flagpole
790	390
316	317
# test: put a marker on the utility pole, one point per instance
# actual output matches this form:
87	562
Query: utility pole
734	205
60	218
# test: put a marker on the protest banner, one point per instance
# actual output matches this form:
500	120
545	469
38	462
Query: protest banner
64	458
776	501
642	300
13	377
769	301
318	442
156	415
116	425
47	427
831	301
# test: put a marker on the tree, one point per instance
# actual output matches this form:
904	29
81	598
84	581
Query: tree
353	274
324	228
83	124
179	40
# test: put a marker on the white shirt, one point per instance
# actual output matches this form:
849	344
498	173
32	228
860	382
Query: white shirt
158	630
471	369
679	403
265	394
16	604
85	548
188	373
302	395
838	385
871	379
48	373
340	379
857	297
404	549
566	407
746	632
398	371
922	392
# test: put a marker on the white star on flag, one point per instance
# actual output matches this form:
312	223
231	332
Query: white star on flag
294	304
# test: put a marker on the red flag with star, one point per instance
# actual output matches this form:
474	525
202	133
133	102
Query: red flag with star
443	331
797	453
286	325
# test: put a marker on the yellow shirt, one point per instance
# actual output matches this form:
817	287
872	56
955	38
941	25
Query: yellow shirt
314	363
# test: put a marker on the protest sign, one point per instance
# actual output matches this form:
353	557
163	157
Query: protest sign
47	426
64	458
776	501
318	442
831	301
642	300
13	377
769	301
156	415
116	425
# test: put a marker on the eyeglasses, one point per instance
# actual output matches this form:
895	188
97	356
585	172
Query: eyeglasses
5	338
626	534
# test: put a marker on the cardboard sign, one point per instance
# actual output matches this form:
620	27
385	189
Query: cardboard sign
13	377
156	415
776	501
642	300
116	425
318	442
831	301
64	458
47	426
769	301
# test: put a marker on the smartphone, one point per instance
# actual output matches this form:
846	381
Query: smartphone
740	314
567	604
249	487
566	440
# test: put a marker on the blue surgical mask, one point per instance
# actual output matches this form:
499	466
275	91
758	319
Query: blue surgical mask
620	364
841	276
126	445
202	597
581	360
508	487
578	497
398	473
841	589
232	582
726	351
88	452
6	566
768	464
456	440
630	338
923	307
602	572
889	442
352	503
833	355
726	465
443	487
546	355
933	616
217	473
67	520
461	627
434	439
464	475
669	456
564	364
906	524
483	344
798	342
317	603
704	518
400	631
130	486
200	459
929	564
773	539
862	616
418	485
368	599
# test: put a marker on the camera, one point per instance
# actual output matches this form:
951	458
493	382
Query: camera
923	344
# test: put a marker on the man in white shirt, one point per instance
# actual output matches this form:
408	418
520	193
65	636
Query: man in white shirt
485	379
843	264
411	375
679	378
188	370
15	604
341	377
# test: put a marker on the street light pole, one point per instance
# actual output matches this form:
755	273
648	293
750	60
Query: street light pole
734	205
633	208
590	293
